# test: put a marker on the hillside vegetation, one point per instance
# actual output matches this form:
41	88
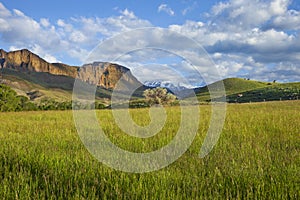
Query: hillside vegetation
27	84
242	90
10	100
272	92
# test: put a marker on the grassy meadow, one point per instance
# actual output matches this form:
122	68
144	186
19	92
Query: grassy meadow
256	157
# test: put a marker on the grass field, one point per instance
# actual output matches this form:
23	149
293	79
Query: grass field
256	157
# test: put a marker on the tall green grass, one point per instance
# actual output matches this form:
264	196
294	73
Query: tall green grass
256	157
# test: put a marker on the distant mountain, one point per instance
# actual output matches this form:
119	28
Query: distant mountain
25	71
164	84
179	90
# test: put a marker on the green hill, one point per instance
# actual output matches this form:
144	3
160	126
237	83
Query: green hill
273	92
237	85
241	90
232	86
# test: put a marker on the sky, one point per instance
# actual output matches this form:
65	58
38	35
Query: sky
256	39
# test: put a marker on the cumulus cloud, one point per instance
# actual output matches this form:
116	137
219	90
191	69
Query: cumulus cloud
247	38
41	52
128	14
238	15
44	22
4	25
158	46
282	71
19	30
18	13
110	26
3	11
73	37
279	7
165	8
288	21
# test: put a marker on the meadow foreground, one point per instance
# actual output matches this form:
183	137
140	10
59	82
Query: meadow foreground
256	157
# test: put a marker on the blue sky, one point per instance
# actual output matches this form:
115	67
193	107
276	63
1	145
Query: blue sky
244	38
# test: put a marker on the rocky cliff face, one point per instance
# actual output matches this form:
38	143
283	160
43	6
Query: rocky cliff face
107	75
102	74
26	61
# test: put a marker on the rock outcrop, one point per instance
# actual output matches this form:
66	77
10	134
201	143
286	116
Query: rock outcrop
26	61
102	74
107	75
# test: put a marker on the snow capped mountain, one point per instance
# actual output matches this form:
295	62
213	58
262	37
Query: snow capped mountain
152	84
165	84
179	90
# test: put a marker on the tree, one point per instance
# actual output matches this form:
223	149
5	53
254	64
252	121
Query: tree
159	96
8	99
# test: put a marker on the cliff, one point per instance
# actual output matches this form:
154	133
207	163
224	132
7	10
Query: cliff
107	75
26	61
102	74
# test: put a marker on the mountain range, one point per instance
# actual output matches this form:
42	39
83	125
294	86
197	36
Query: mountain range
30	75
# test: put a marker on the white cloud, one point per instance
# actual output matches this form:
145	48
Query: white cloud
128	14
238	15
14	48
219	8
41	52
188	9
4	25
247	38
19	30
282	72
165	8
3	11
18	13
270	41
158	46
78	37
110	26
65	27
45	22
159	72
73	37
279	7
288	21
61	23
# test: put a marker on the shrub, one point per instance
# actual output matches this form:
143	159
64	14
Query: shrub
159	96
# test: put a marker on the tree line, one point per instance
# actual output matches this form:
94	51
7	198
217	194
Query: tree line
10	101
